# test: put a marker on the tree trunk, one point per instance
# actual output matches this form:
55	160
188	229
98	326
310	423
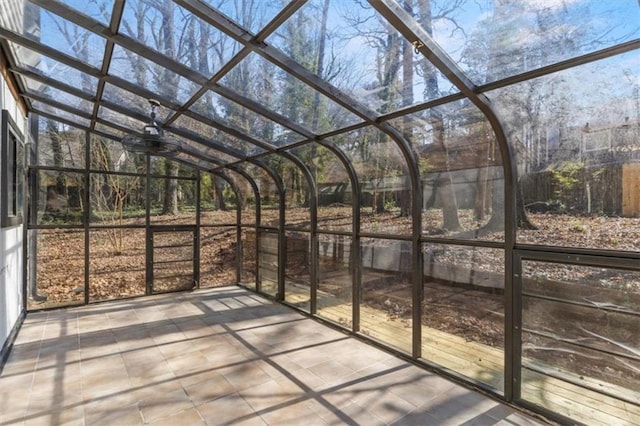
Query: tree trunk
446	194
217	185
170	205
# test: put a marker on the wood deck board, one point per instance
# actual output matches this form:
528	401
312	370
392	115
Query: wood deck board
484	363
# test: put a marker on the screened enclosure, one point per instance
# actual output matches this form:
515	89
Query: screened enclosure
458	181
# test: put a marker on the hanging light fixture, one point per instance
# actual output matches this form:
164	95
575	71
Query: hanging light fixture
153	140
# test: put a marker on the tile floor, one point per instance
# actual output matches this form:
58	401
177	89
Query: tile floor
218	357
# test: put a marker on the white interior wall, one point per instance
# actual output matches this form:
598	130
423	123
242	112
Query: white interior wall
11	240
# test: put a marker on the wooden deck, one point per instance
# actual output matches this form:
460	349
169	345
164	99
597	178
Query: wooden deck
485	364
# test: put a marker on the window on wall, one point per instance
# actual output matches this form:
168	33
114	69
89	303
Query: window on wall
12	172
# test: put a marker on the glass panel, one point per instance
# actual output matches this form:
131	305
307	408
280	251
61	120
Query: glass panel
296	191
335	279
249	257
385	310
60	198
577	155
151	76
70	38
260	80
134	102
162	166
216	156
60	145
100	10
57	112
334	187
463	311
494	40
121	120
580	341
37	88
363	55
268	262
173	201
103	128
384	180
247	198
221	109
173	261
297	284
461	171
178	34
59	272
217	201
111	156
48	67
211	133
117	200
269	196
250	15
217	256
117	259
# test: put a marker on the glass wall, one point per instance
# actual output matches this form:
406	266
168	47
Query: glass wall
579	337
336	269
494	146
386	303
463	311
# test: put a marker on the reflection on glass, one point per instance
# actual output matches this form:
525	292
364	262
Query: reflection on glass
111	156
151	76
173	31
385	187
335	279
108	130
221	109
59	273
334	188
60	198
32	21
249	277
213	155
121	120
134	102
60	113
247	197
463	311
580	340
117	262
250	15
217	256
60	145
297	285
117	200
460	169
386	305
363	55
37	88
260	80
268	262
213	134
269	196
100	10
48	67
296	191
578	154
494	40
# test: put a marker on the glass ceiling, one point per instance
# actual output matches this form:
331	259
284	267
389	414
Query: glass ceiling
237	79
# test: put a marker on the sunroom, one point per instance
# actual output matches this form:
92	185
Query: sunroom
454	182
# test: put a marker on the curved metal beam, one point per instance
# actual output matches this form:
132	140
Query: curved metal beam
402	21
